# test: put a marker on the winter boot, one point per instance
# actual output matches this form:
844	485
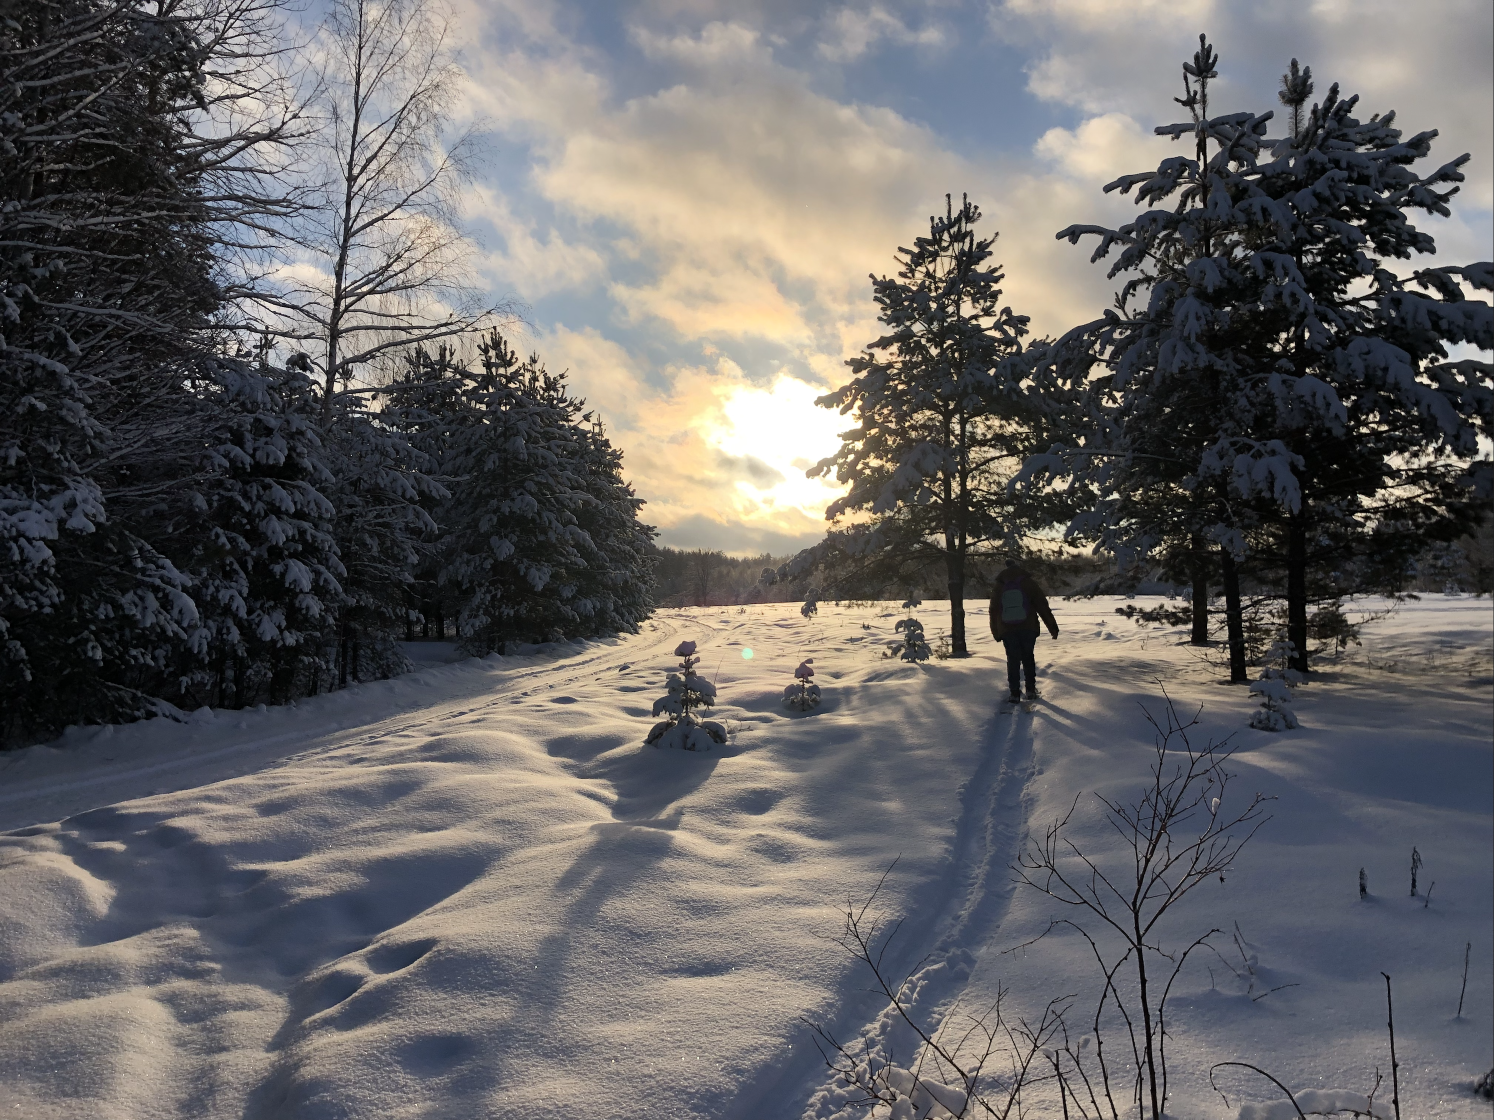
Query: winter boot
1032	694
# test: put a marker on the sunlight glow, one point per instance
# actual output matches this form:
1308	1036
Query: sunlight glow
782	429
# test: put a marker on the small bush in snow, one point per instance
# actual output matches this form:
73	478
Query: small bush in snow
914	646
1275	689
811	605
687	690
803	694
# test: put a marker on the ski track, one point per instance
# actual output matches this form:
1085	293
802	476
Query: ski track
511	689
970	899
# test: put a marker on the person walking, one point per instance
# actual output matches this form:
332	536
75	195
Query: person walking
1017	605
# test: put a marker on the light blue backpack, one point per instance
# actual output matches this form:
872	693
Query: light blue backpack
1014	606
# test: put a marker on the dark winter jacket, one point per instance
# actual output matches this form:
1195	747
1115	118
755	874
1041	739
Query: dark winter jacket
1035	601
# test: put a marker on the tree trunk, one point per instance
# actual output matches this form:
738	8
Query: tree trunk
1297	590
1234	617
1200	575
955	566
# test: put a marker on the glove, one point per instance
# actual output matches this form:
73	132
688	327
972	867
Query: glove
1053	630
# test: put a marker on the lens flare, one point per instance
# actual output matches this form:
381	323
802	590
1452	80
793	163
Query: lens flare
747	653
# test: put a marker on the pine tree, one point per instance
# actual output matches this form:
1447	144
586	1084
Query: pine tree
615	591
941	415
1164	380
1382	428
1280	383
105	284
264	562
380	489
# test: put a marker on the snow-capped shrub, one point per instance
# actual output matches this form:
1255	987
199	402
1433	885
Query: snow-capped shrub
803	694
914	646
687	690
1275	689
811	605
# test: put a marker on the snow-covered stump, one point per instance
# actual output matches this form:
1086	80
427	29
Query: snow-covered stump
682	729
1275	689
803	695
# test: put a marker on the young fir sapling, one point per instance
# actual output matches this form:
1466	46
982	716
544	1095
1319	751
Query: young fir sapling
811	605
914	646
687	690
1363	884
1274	688
1415	867
803	694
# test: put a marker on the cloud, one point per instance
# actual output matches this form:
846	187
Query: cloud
531	263
1102	56
701	444
741	538
854	31
750	469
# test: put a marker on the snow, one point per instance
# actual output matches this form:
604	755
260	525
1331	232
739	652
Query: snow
472	891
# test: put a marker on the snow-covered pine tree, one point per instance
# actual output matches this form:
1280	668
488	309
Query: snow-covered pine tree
1274	687
1382	428
685	691
913	646
811	605
942	417
1279	378
1162	380
264	562
427	401
615	590
803	694
514	547
106	287
380	488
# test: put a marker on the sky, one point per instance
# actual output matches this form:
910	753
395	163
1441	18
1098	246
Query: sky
689	196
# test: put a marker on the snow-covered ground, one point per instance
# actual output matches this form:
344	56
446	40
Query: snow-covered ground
470	892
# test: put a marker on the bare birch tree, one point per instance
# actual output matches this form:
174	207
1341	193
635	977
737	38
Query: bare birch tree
392	263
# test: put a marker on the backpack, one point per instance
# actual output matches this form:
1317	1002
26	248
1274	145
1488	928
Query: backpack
1014	605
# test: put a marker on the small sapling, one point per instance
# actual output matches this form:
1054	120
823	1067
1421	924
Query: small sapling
1363	884
687	690
914	646
1274	688
811	605
1467	952
803	694
1415	867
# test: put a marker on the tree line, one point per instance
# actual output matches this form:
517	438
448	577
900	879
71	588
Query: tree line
1281	409
256	421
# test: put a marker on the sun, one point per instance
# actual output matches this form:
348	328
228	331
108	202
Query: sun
782	427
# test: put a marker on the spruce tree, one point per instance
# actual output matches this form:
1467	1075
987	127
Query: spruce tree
941	416
266	572
105	284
